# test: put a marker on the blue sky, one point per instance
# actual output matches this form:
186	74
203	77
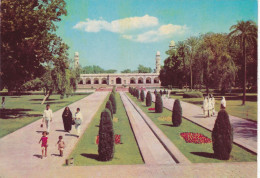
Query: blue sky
117	34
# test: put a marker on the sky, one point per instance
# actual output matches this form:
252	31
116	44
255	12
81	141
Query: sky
121	34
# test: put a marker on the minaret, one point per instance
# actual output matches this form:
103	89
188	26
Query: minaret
158	62
76	60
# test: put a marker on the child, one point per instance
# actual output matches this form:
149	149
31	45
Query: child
44	145
61	145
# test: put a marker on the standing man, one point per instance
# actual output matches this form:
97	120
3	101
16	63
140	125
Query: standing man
47	117
78	120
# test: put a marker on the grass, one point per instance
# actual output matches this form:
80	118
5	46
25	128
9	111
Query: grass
86	151
196	153
22	110
234	107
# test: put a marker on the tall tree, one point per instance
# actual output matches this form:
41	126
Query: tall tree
182	51
244	33
143	69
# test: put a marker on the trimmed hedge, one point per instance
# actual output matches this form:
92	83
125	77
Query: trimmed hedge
176	113
109	107
222	136
113	101
148	100
137	93
106	137
142	95
158	104
193	95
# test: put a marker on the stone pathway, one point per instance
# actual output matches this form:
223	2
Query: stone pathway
245	132
20	152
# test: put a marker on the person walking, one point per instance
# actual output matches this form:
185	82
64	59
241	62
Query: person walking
205	106
78	120
3	102
44	140
223	103
213	104
210	106
61	145
47	117
67	119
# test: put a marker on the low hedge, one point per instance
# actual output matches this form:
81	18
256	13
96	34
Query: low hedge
193	95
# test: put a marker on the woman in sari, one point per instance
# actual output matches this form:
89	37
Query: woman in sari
67	119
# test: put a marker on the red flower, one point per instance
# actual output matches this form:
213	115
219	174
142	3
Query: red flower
196	138
151	109
117	139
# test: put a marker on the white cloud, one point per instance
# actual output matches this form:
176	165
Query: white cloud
117	26
163	32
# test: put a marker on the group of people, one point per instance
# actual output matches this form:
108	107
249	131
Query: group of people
68	121
209	105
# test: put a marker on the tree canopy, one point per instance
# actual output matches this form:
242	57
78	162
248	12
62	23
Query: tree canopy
95	70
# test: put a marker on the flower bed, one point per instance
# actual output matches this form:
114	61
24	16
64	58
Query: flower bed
196	138
117	139
151	109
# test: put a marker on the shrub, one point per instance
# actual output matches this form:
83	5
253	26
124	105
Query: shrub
176	113
222	136
192	95
106	137
161	93
137	94
114	90
113	101
129	90
158	104
109	107
142	95
148	100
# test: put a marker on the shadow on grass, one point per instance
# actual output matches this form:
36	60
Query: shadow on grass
41	100
205	154
91	156
96	125
16	113
169	125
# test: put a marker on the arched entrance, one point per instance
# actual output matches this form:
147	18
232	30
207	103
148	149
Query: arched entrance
118	80
148	80
81	81
88	81
132	80
104	81
140	80
156	80
96	81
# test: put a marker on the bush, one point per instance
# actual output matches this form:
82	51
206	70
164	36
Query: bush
193	95
137	94
113	101
114	90
109	107
222	136
158	104
106	137
176	113
148	99
142	95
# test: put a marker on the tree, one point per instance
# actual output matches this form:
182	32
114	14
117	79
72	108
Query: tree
158	104
109	107
142	69
126	71
28	41
148	100
182	51
222	136
176	113
137	93
244	33
113	101
95	70
142	95
106	137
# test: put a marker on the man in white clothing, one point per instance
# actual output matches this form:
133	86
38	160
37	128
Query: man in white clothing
78	120
47	117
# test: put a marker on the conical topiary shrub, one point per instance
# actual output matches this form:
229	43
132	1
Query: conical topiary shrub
109	107
222	136
176	113
158	104
148	100
137	94
113	101
106	137
142	95
114	90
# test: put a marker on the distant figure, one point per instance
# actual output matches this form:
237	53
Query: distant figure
205	106
213	104
210	106
61	145
155	92
168	93
44	140
78	120
47	117
67	119
223	103
3	102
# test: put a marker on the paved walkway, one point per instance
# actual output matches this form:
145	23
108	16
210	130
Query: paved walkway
245	132
20	152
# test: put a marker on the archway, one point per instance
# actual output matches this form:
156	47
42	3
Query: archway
156	80
96	81
118	80
132	80
88	81
140	80
81	81
104	81
148	80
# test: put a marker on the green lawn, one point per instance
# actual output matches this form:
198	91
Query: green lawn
196	153
23	110
86	151
234	107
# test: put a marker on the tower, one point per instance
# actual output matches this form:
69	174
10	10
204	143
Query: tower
76	60
172	45
158	62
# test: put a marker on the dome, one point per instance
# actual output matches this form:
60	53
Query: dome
172	43
158	53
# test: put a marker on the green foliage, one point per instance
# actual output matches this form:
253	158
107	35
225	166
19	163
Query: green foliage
106	137
195	94
137	94
113	101
114	90
176	113
126	71
142	69
148	100
142	95
110	107
158	104
95	70
222	136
